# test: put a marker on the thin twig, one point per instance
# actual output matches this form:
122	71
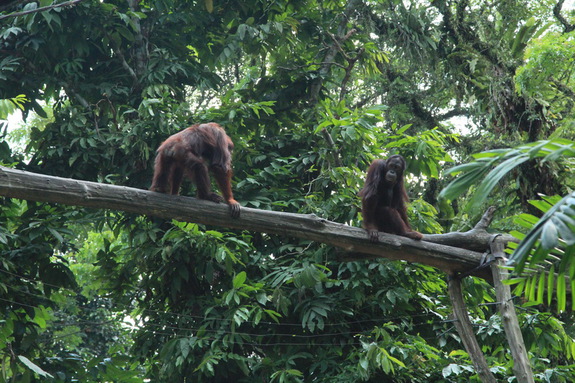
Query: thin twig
41	9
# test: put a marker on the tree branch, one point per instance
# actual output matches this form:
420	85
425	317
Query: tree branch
567	27
140	48
465	330
118	51
568	92
452	113
348	70
329	58
37	187
41	9
331	144
460	31
476	239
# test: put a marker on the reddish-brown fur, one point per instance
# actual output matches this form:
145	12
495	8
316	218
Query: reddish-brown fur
383	202
192	153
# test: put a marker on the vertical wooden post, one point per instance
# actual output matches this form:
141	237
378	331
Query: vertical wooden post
465	330
521	366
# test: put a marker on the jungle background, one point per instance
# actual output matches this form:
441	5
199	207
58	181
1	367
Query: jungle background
310	92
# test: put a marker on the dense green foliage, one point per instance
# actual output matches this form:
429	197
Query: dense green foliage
310	92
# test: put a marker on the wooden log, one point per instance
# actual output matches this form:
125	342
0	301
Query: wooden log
476	239
465	331
37	187
521	366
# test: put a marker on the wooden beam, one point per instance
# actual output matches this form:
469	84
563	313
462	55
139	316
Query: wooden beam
521	366
36	187
465	331
476	239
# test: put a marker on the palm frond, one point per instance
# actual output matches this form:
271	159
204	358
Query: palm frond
545	257
556	224
502	161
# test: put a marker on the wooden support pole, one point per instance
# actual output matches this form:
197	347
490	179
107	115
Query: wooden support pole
521	366
465	331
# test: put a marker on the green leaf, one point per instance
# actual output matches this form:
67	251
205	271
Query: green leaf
34	367
561	293
401	130
549	237
541	288
492	179
462	183
564	231
562	151
519	256
550	284
541	205
239	279
56	235
531	287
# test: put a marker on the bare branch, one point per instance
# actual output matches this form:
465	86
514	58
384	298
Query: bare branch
331	143
333	49
42	9
452	113
348	70
127	67
476	239
567	27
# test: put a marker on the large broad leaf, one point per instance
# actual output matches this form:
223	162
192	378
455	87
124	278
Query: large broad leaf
239	279
8	106
28	363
